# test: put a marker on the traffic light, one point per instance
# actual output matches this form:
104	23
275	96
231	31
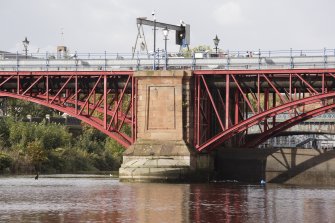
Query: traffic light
183	36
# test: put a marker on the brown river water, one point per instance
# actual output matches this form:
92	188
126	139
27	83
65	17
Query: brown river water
96	199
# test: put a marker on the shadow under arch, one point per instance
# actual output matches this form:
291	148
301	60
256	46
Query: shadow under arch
296	169
92	121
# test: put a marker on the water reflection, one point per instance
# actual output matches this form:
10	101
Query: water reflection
107	200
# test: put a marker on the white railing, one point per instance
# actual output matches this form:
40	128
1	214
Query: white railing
228	60
311	141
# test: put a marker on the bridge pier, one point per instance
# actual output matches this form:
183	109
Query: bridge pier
164	132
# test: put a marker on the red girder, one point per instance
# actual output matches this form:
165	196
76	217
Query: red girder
67	73
96	108
89	95
305	82
244	96
61	89
118	104
301	87
271	71
212	101
73	100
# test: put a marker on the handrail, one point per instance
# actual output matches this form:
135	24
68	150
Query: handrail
225	60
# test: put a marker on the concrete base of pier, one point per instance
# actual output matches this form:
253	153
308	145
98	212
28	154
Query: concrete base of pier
169	161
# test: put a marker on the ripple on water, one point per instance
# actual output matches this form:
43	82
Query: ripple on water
70	199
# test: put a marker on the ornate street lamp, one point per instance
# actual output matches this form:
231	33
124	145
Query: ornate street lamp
216	43
25	45
165	34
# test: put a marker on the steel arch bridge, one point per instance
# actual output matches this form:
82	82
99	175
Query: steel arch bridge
222	100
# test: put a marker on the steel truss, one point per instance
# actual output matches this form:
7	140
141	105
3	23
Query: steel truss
102	99
227	103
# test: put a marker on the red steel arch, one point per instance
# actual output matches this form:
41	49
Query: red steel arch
227	103
102	99
288	124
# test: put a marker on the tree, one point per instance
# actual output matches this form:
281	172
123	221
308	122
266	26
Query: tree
4	134
37	154
91	140
201	48
52	136
114	151
20	109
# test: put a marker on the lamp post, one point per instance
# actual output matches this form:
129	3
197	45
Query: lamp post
154	18
216	43
165	34
25	45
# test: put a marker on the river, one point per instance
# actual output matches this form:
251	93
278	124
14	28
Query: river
96	199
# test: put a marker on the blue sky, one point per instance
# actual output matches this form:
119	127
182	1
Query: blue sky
99	25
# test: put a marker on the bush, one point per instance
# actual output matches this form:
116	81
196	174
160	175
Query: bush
5	161
50	148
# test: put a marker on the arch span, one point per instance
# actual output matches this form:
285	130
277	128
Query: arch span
103	100
224	100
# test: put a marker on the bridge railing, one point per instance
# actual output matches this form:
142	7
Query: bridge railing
311	141
161	54
327	117
228	60
322	123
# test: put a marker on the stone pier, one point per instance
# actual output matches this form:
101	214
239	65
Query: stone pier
164	131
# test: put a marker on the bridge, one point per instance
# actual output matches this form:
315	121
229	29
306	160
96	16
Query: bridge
174	117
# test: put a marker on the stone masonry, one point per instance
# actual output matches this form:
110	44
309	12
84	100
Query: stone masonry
162	151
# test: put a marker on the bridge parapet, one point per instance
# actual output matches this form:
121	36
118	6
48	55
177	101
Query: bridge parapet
233	60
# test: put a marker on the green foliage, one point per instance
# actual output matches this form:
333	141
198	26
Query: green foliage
5	161
114	152
103	152
20	109
201	48
36	153
52	136
91	140
76	160
26	147
21	163
51	148
4	134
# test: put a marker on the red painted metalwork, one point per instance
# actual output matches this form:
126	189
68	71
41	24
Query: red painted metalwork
90	96
301	92
226	102
287	124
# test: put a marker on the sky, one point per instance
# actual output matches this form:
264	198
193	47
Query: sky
96	26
